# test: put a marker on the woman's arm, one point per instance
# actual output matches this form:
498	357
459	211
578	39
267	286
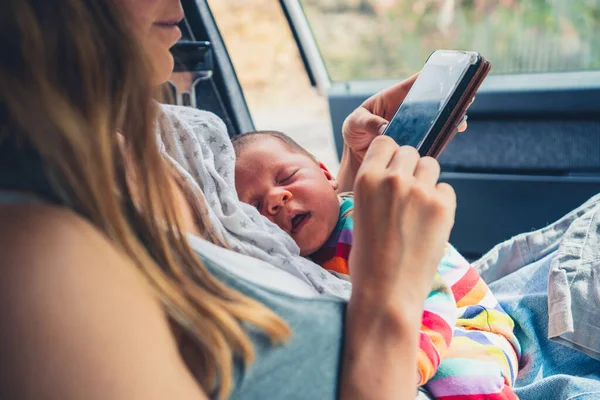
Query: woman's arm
402	221
380	350
78	321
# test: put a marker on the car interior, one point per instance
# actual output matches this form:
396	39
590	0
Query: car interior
530	155
531	152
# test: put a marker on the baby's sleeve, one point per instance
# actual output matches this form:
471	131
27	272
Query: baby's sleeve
439	318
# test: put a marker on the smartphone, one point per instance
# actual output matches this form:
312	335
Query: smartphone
437	103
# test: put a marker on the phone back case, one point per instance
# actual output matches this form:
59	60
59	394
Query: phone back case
449	129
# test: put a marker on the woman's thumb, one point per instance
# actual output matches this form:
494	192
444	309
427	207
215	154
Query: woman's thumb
375	125
361	127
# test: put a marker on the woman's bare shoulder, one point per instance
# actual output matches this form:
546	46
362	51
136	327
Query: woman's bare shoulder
44	237
76	313
28	224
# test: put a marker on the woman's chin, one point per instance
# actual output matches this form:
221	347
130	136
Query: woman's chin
162	69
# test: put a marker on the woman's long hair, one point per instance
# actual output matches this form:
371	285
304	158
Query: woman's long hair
72	75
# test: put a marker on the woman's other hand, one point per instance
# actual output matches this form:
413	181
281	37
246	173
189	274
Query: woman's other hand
403	218
402	221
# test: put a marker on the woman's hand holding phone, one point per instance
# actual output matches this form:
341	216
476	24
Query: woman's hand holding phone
368	122
370	119
437	102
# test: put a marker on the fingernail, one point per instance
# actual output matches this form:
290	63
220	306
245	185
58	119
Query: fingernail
382	129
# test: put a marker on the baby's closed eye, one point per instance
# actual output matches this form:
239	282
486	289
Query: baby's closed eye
287	177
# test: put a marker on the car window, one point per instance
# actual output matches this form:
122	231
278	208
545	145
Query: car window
269	67
380	39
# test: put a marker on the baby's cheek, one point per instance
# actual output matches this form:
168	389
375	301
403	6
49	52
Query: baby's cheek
317	236
273	220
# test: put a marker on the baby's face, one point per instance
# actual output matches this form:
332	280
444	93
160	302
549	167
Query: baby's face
290	189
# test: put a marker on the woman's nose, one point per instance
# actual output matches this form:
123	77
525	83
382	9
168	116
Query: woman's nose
276	199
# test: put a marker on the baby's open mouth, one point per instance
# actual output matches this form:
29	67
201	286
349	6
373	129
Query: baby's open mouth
298	221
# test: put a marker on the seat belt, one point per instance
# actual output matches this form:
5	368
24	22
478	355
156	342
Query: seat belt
193	67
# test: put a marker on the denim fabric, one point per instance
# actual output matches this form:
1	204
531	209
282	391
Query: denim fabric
556	265
548	369
527	248
574	287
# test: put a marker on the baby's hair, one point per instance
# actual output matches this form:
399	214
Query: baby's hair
241	141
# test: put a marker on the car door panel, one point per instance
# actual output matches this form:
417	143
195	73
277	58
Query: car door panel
528	156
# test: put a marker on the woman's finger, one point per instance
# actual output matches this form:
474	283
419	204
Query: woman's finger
379	154
364	121
447	194
371	123
428	171
404	161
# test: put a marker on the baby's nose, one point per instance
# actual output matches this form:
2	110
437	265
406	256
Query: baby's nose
277	199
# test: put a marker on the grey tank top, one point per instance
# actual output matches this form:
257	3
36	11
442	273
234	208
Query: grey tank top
308	365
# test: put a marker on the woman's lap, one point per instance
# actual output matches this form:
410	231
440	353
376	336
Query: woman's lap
547	369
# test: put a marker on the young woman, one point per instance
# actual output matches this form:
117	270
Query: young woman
103	296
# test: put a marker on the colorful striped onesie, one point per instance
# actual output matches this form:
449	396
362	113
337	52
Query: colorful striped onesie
467	346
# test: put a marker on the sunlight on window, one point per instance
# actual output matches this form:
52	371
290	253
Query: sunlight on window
272	75
367	39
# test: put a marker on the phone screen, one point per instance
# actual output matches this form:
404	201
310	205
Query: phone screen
427	98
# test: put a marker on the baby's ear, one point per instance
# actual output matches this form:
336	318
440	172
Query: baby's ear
329	176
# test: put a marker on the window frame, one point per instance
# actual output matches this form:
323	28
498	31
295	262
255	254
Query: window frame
199	24
558	94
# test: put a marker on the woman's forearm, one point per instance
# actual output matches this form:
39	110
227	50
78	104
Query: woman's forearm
402	222
380	352
349	165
